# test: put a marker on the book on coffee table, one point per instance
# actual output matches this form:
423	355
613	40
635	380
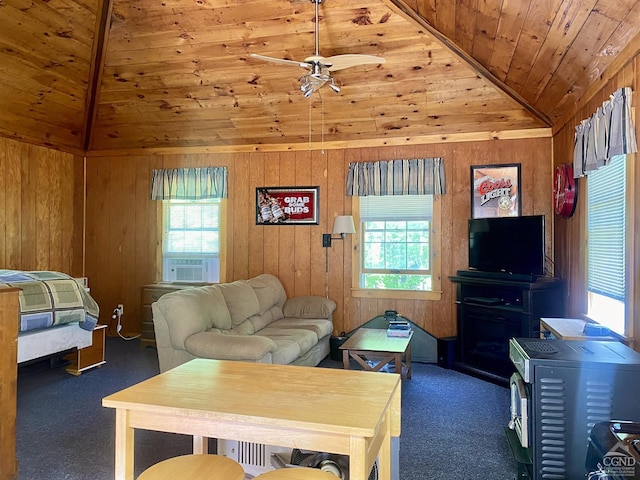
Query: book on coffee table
399	332
399	325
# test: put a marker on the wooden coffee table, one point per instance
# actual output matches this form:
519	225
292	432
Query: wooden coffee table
374	345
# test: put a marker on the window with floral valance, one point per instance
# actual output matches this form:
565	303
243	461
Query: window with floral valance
602	144
189	183
398	216
192	221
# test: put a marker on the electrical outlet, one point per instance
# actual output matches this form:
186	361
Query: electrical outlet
120	309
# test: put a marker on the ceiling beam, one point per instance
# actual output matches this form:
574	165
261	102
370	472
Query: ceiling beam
402	8
97	64
480	136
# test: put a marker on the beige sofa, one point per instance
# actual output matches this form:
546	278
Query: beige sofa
247	320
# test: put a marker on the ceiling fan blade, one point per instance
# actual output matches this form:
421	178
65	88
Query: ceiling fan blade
280	60
338	62
317	59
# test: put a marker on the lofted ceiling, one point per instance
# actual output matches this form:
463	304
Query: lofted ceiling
125	75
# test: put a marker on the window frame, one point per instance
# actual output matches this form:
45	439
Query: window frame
435	247
222	242
630	250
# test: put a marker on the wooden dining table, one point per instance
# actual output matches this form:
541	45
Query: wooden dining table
329	410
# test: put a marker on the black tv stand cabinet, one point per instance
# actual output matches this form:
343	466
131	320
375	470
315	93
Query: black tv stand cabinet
492	310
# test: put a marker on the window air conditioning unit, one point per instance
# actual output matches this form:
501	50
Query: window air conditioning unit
192	269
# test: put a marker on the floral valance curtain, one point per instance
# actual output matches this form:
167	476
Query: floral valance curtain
189	183
607	133
417	176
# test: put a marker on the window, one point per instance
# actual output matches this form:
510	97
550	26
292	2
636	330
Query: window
398	241
191	240
607	253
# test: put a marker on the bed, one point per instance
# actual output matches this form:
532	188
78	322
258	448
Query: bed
56	313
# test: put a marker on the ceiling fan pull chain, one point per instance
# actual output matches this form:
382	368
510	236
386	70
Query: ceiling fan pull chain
322	120
309	125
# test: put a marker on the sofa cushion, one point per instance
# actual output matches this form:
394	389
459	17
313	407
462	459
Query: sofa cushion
215	344
286	351
319	326
242	301
194	310
217	308
256	323
309	307
305	339
245	328
269	291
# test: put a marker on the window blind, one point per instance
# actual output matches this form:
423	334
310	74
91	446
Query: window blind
191	227
606	229
396	207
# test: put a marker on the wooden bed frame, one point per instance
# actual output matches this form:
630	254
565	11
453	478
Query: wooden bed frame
41	343
16	348
9	374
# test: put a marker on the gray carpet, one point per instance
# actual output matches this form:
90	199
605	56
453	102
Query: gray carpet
452	424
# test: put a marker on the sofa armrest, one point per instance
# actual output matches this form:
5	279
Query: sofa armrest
213	344
309	306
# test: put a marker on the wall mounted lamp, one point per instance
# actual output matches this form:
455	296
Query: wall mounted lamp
341	225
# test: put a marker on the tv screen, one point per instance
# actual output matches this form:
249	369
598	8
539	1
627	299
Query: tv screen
507	244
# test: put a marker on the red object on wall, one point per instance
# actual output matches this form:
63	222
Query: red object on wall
565	190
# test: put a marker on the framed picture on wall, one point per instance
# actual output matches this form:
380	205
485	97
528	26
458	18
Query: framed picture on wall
495	191
287	206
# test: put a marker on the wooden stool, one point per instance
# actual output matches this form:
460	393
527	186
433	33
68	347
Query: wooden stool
296	473
194	467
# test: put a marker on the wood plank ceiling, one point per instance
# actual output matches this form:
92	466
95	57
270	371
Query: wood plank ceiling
154	74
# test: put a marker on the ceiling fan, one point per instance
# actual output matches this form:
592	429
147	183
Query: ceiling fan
320	68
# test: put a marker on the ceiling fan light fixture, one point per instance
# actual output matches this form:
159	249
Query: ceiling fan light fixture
319	67
306	86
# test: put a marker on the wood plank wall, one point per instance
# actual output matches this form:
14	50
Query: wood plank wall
570	236
41	209
123	234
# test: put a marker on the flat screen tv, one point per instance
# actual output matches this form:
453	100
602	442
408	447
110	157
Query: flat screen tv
507	244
